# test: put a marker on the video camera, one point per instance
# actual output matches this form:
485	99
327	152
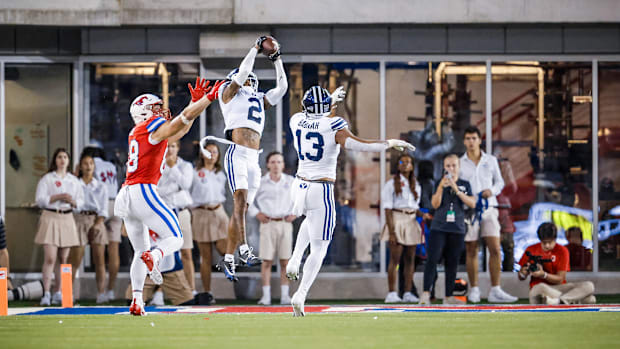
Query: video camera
534	260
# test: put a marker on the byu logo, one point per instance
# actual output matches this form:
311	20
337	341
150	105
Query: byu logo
303	185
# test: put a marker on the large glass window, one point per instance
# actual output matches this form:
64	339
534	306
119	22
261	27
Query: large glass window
355	245
608	164
542	139
38	120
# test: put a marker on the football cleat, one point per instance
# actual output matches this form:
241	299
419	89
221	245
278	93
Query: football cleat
292	271
248	258
298	305
152	265
228	268
137	308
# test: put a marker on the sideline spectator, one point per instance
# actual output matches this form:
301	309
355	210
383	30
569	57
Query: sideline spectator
448	228
4	254
209	220
89	220
106	173
58	193
580	257
481	170
401	198
548	279
173	186
273	208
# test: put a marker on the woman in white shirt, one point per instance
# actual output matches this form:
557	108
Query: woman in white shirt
58	193
173	186
401	198
89	219
209	220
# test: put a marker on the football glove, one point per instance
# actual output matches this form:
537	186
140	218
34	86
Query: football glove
400	145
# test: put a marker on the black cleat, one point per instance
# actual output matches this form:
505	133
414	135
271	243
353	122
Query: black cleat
228	268
249	258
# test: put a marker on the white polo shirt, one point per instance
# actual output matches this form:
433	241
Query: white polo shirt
175	183
406	200
95	197
273	198
208	188
485	175
51	184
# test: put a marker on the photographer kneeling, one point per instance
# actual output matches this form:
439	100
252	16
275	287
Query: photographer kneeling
547	263
448	228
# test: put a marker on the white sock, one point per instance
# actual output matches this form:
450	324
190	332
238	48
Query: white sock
229	258
284	291
475	288
303	240
318	250
496	288
137	295
137	272
244	248
267	292
169	245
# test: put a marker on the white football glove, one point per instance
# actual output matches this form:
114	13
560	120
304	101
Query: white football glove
338	95
400	145
203	150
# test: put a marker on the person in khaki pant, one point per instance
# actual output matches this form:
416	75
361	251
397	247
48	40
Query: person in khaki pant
548	280
273	208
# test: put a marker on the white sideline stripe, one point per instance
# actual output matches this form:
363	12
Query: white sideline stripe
23	311
610	309
344	309
198	310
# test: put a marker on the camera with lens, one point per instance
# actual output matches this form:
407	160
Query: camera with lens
534	260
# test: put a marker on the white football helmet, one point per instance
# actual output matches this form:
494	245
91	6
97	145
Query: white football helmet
142	108
251	77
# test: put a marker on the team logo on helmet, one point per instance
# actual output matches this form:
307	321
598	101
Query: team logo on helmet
317	102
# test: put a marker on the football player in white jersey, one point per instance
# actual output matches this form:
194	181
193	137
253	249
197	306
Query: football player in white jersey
243	108
317	139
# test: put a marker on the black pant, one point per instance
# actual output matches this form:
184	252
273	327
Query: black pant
452	245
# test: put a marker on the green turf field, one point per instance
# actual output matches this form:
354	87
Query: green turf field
394	330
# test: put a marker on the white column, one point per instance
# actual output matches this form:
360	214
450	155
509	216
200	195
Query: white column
76	126
382	166
2	143
595	179
489	108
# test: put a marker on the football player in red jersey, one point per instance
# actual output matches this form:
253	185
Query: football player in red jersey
138	203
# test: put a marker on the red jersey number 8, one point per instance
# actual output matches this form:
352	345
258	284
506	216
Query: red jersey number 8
132	162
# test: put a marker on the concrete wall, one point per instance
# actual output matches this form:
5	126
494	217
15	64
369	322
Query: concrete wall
274	12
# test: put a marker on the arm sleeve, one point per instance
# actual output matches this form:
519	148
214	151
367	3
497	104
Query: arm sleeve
387	195
274	95
42	198
354	145
246	67
498	181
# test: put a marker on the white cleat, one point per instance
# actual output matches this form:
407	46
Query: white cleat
497	295
57	298
264	301
292	271
285	300
110	295
102	298
409	297
474	295
46	299
298	305
158	299
392	297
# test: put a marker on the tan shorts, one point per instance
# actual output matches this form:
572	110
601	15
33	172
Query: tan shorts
57	229
83	223
185	221
113	224
487	226
209	225
175	287
407	229
276	240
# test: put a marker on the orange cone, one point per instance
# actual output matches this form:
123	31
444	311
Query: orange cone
4	301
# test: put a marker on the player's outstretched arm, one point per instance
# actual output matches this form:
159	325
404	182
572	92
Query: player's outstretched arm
273	96
176	128
348	140
245	68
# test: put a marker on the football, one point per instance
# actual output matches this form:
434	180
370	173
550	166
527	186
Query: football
270	46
